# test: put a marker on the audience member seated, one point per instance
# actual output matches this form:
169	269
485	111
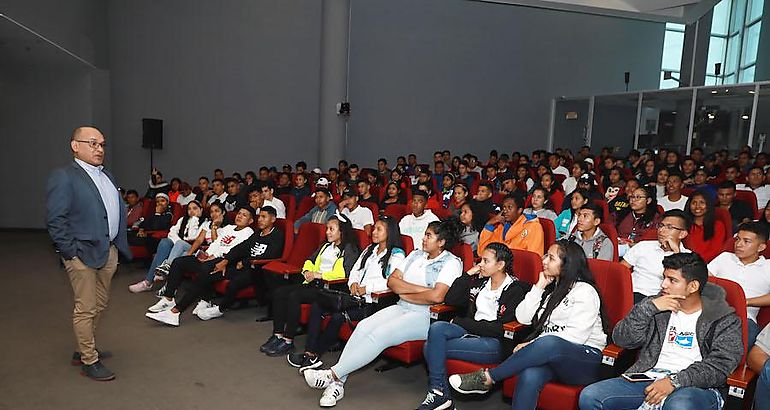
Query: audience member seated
433	202
323	210
255	199
364	188
414	224
392	196
587	183
447	189
204	263
174	189
589	236
235	198
673	198
300	189
422	279
661	183
747	267
360	217
463	175
645	259
755	181
493	178
158	221
156	184
567	337
513	228
473	222
556	164
758	361
740	211
217	193
540	205
649	175
570	183
134	209
707	234
459	198
619	205
283	187
764	217
642	217
269	199
333	260
567	220
701	184
369	274
236	267
483	199
178	241
488	296
689	340
522	176
186	195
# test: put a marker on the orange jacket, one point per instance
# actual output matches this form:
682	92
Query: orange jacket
523	234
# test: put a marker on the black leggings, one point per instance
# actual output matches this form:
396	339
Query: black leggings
240	279
202	284
319	341
287	302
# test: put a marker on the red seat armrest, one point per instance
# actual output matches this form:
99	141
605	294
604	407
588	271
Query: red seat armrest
156	234
379	295
255	262
511	328
330	282
437	310
611	353
739	381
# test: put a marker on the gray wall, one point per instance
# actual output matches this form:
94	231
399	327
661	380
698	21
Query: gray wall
472	76
235	82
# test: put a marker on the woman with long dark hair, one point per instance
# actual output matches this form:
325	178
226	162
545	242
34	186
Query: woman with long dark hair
488	295
540	205
423	279
707	234
473	220
643	216
392	196
334	259
369	274
567	219
568	332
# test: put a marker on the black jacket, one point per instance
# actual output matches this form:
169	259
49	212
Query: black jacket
462	295
256	246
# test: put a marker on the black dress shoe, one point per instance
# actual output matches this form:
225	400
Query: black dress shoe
102	355
97	371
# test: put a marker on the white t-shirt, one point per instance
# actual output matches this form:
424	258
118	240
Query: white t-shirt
359	217
569	185
488	300
762	193
280	208
370	276
220	198
184	200
646	257
414	227
417	273
328	258
668	204
227	238
680	346
754	278
560	170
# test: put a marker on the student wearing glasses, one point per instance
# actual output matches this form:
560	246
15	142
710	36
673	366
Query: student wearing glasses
645	259
643	217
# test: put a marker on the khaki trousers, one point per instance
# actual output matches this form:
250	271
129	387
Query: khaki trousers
91	289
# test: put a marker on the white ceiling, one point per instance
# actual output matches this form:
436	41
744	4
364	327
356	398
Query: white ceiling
674	11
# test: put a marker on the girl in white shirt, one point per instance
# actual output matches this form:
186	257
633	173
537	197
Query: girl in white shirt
568	332
369	274
422	279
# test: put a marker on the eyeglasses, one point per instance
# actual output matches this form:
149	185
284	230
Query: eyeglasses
669	226
93	144
635	197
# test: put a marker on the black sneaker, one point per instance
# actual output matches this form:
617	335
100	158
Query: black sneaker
97	371
162	269
436	400
271	342
102	355
303	361
281	348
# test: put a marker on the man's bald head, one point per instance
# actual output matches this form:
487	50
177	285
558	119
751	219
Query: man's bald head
87	144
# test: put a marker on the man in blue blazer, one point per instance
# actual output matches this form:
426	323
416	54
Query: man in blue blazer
87	223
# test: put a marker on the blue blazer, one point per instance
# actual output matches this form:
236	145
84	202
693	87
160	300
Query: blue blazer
77	219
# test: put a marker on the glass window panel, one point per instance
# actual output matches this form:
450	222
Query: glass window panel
675	26
731	59
730	79
721	19
750	44
711	80
755	10
672	51
747	74
736	17
669	83
716	53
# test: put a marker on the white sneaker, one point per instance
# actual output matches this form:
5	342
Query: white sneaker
163	304
167	316
318	379
211	312
141	286
332	394
202	304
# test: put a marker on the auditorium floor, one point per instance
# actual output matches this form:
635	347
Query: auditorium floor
200	365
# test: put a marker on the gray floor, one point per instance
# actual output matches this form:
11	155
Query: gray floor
200	365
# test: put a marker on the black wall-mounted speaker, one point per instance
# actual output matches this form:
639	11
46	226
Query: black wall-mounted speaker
152	133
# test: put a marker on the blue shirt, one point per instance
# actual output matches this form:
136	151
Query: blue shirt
108	192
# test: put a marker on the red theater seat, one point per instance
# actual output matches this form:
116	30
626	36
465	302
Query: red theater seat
291	205
750	198
309	238
549	233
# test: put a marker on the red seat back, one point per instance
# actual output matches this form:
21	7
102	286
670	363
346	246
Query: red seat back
737	299
721	214
763	318
309	238
549	233
464	252
612	234
408	244
372	207
614	283
177	211
605	209
306	204
396	211
287	226
750	198
527	265
363	239
291	205
148	207
557	199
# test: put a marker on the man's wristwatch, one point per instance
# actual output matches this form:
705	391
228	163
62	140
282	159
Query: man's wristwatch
675	381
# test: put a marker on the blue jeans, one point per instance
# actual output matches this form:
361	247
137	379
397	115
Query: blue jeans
450	341
167	251
762	393
619	394
548	358
389	327
753	333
